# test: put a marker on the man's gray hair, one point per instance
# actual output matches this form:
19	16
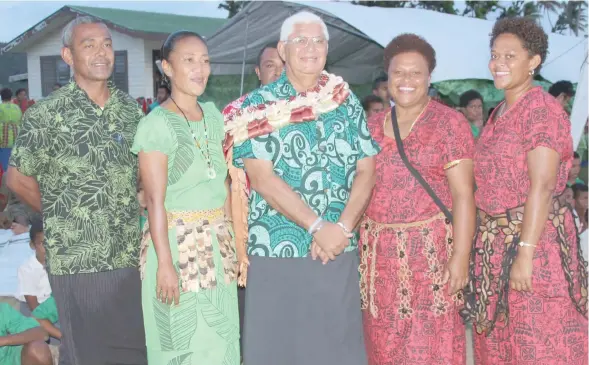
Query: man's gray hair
68	32
302	17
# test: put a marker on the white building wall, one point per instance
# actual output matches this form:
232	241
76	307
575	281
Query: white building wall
140	79
49	46
150	46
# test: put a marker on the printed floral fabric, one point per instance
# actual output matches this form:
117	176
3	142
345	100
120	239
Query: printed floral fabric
317	159
79	154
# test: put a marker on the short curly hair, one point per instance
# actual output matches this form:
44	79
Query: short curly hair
469	96
409	42
534	39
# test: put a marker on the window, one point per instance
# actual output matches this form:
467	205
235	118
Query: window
120	72
53	70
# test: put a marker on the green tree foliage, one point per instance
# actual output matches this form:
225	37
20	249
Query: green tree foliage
573	18
572	15
441	6
232	7
480	9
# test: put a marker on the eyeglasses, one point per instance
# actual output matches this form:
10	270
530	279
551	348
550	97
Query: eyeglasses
304	41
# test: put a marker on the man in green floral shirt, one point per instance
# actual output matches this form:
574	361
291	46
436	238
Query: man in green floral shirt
311	180
72	162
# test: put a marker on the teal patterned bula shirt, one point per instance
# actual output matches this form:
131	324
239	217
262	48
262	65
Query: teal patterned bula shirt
316	159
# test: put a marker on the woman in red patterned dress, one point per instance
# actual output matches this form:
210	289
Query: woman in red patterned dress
413	260
528	273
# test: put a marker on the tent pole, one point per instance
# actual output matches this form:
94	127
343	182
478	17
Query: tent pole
247	24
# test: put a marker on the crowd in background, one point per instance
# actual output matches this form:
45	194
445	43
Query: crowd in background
171	294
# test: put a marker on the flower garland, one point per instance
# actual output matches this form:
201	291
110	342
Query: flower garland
243	124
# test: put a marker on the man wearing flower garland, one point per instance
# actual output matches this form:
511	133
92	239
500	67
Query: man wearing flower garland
305	146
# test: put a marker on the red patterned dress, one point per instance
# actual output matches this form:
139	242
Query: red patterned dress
546	326
406	241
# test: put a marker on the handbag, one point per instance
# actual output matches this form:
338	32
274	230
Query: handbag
412	169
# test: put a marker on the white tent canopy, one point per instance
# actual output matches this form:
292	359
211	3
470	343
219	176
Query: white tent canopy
461	43
580	110
359	33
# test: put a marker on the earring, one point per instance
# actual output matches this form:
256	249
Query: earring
532	72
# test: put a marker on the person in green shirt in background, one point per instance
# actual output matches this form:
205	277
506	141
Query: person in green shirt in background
471	105
22	341
10	116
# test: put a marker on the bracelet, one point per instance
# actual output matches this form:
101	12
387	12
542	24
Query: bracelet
315	226
522	244
344	228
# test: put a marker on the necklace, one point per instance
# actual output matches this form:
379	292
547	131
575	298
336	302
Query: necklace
501	110
211	174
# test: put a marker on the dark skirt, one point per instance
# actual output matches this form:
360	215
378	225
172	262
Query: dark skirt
100	318
301	312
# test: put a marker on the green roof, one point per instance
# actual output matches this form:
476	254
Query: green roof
148	22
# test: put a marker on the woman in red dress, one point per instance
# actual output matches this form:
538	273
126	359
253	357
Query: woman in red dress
414	261
529	278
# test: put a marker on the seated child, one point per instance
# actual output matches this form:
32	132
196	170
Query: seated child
22	341
33	284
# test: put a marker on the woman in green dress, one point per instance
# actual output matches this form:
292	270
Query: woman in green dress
188	260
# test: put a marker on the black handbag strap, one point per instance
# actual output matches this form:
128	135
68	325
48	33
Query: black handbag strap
412	169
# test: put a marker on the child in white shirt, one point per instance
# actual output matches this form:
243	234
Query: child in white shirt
33	284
